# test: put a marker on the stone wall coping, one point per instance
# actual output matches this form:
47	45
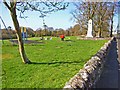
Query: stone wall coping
91	71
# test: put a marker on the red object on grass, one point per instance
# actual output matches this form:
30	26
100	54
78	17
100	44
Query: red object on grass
62	36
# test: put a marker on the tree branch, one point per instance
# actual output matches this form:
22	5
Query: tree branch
6	4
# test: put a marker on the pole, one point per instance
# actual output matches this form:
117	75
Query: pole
1	34
25	32
6	29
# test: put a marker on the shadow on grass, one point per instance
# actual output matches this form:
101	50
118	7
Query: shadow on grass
69	40
75	62
28	42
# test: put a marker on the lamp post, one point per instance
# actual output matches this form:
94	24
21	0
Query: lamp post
45	26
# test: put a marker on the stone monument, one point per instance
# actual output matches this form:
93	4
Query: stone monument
89	32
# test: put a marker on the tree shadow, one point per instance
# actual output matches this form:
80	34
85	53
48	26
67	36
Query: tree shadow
28	42
68	40
61	62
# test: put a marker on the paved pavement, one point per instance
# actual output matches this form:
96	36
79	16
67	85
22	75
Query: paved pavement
119	60
110	77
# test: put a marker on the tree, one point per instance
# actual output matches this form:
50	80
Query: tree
111	18
113	9
76	30
9	28
101	17
30	32
42	7
83	12
99	12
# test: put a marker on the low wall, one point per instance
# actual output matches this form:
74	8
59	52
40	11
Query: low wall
91	72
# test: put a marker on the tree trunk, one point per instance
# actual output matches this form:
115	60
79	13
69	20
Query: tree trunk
100	27
19	37
113	7
111	28
100	33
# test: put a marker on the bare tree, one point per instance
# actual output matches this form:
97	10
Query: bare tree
112	9
42	7
99	12
83	12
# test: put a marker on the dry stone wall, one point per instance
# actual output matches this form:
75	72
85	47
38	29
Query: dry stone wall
91	72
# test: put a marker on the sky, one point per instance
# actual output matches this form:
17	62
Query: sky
60	19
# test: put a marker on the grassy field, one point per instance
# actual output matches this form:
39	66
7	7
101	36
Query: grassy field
55	62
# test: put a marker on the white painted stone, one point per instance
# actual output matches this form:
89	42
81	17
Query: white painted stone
89	32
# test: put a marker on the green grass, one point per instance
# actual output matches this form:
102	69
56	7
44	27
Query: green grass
55	62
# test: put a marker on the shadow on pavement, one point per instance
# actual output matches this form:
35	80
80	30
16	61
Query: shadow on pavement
110	76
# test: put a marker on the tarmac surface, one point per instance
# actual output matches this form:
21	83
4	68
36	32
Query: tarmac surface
110	77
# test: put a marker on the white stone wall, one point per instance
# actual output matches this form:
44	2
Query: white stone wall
91	72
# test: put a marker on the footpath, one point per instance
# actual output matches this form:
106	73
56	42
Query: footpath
110	77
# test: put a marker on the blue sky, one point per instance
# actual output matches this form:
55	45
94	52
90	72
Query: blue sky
60	19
